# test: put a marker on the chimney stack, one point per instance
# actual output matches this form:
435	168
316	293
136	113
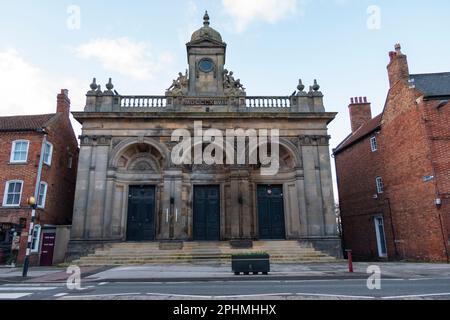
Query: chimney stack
63	102
360	112
398	66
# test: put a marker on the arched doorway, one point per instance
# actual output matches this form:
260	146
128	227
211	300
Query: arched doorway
272	212
139	166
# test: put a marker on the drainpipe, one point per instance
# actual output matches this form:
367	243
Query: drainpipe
392	227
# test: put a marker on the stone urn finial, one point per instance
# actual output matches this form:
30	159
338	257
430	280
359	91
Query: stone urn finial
316	86
300	86
110	85
206	19
94	84
99	90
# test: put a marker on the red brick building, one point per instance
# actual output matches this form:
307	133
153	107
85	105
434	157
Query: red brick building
394	170
21	140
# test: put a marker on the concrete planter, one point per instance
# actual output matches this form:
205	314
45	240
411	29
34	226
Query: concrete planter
250	263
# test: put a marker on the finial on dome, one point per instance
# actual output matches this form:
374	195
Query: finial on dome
206	19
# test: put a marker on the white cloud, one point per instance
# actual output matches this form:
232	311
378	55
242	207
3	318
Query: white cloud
122	55
247	11
26	89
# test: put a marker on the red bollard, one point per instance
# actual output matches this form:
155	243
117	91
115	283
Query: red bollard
350	261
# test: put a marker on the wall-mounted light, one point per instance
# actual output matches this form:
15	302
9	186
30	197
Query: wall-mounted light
438	202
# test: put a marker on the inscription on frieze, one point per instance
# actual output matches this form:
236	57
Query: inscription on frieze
205	101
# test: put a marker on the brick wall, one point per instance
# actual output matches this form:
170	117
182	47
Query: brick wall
413	144
357	169
60	178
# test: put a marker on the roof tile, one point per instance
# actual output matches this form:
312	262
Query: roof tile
24	123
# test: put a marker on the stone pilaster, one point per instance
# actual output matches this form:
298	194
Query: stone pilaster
96	205
327	190
313	192
82	189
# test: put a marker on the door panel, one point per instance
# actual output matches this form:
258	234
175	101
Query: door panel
207	213
271	212
141	213
47	250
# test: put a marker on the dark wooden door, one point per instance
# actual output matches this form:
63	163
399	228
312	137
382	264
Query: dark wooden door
48	248
207	213
271	212
141	213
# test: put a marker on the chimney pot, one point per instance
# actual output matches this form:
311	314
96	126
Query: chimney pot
63	102
398	66
360	112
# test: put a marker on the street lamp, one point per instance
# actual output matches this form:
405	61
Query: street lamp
31	201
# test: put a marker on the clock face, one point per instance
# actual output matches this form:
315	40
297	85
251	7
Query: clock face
206	65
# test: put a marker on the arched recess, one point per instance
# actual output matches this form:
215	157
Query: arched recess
223	148
289	155
147	152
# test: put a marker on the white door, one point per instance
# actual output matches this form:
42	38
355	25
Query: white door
381	237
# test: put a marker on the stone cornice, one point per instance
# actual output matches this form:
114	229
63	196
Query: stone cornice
81	116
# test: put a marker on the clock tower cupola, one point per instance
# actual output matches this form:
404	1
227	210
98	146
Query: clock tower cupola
206	58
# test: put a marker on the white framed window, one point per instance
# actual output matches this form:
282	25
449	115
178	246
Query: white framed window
19	151
13	193
381	237
36	239
42	195
380	186
373	144
48	151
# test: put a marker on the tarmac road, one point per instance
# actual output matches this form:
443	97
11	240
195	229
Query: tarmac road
335	289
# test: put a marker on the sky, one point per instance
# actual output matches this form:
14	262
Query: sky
48	45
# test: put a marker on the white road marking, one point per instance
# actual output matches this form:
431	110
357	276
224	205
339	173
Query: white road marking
178	295
60	295
27	288
334	295
254	295
220	297
5	296
418	295
103	295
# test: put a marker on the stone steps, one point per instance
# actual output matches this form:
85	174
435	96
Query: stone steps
200	252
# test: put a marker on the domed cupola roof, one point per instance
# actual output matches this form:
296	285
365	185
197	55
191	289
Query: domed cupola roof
206	32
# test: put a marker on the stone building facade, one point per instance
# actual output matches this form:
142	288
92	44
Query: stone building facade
130	189
394	170
21	140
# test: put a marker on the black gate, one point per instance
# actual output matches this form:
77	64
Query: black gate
207	213
271	212
141	213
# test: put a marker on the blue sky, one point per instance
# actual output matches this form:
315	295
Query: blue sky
271	44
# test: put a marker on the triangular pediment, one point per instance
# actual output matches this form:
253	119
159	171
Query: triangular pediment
206	42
